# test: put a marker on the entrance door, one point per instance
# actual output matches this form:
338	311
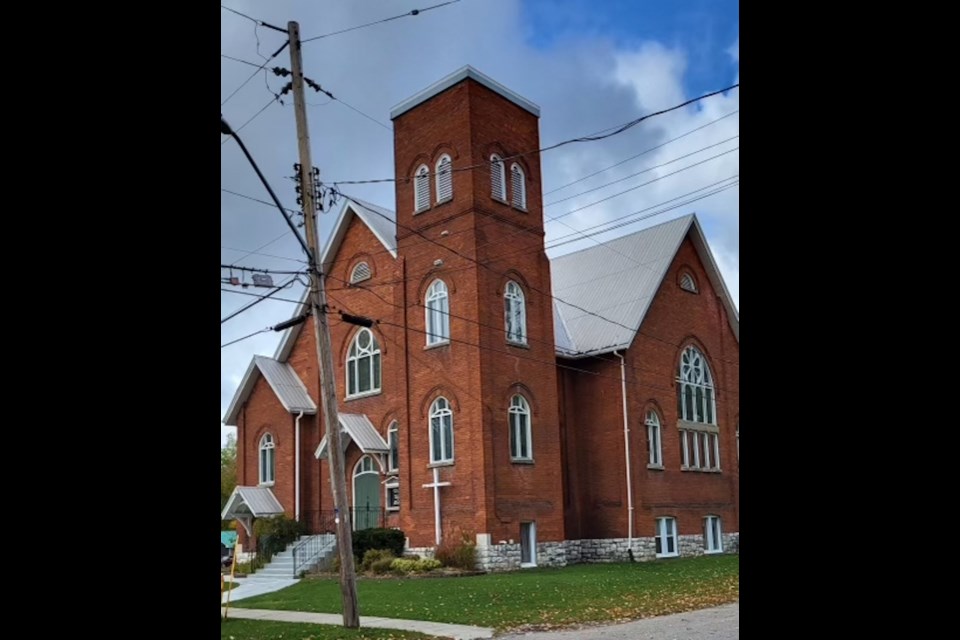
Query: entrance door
366	494
528	544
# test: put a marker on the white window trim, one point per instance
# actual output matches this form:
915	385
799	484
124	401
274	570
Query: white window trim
497	165
392	483
448	175
435	338
694	373
654	449
510	299
708	535
421	174
514	170
523	409
270	446
439	413
353	274
391	430
660	531
374	350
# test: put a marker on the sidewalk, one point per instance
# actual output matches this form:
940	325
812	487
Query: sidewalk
456	631
254	586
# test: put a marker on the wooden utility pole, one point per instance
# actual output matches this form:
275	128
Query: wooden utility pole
318	300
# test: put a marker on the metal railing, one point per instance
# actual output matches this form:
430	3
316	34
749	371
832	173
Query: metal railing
306	552
324	521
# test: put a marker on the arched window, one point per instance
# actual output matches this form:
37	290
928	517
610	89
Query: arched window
363	364
695	388
515	313
696	406
421	189
521	445
444	179
267	459
687	283
393	440
441	431
498	178
360	273
654	452
438	313
519	185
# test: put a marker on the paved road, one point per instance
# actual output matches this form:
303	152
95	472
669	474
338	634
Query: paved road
718	623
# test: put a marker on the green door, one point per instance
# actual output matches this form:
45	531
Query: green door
366	495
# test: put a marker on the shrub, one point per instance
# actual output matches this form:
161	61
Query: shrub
408	565
366	539
274	534
460	554
374	555
382	565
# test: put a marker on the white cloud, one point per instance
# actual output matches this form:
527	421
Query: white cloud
582	85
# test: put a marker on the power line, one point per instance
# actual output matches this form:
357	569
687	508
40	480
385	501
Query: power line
265	255
257	295
260	299
644	152
414	12
227	344
262	109
503	274
259	270
252	64
618	130
269	204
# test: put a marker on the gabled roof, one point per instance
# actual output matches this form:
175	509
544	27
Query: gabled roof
359	429
381	223
458	76
284	381
617	281
253	501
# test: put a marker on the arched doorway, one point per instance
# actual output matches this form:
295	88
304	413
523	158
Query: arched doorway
366	494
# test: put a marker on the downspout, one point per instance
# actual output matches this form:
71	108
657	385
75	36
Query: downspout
296	489
626	453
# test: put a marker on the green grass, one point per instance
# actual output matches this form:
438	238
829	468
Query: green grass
238	629
536	598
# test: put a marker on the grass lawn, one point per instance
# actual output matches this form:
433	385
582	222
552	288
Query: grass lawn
237	629
540	598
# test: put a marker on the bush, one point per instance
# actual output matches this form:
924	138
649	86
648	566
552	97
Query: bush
375	555
461	554
408	565
366	539
382	565
274	534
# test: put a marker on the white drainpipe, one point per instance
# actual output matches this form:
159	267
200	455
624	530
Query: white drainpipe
296	429
626	449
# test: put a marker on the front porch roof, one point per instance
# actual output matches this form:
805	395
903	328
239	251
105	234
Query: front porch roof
356	428
256	502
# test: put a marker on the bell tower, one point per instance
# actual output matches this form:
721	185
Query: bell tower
481	357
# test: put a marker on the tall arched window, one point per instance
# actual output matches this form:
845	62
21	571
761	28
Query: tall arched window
654	452
441	431
421	189
518	184
438	313
515	313
267	459
363	364
444	178
695	388
521	444
696	406
498	178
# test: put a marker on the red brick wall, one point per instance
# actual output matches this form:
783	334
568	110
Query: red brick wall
594	423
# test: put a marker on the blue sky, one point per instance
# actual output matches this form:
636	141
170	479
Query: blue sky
588	65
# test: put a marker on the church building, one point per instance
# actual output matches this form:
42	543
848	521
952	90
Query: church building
579	409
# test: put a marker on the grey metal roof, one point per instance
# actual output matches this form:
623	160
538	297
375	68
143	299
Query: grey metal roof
284	381
358	428
606	290
459	76
380	221
255	501
617	281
